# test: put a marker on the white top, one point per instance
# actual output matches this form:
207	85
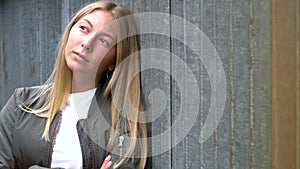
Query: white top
67	151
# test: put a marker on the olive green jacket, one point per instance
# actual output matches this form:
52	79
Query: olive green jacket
21	142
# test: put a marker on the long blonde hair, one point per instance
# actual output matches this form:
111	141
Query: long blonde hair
58	86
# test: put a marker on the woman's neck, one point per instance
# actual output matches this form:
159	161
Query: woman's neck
83	83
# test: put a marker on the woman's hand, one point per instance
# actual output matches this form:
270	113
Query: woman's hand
107	162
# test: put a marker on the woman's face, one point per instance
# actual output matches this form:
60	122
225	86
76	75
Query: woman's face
90	48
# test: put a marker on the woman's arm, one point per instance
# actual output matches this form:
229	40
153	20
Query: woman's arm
7	121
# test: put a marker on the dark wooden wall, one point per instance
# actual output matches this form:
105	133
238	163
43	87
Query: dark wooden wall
241	33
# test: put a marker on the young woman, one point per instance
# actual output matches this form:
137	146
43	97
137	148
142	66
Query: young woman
89	113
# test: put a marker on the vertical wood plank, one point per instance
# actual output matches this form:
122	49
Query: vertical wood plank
240	85
28	46
187	149
260	84
284	116
2	64
9	56
222	44
208	26
298	79
156	84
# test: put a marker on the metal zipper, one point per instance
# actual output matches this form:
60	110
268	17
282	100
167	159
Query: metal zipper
91	148
92	153
121	140
54	139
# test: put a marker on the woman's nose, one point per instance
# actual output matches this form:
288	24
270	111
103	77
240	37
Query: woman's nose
87	44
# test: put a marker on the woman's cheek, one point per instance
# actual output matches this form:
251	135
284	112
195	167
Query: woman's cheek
70	60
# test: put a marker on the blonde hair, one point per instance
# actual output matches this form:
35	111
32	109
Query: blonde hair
58	86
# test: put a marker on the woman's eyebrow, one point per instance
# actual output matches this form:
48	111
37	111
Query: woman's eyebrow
89	22
108	35
104	34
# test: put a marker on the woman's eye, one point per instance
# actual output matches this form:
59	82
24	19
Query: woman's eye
104	42
83	28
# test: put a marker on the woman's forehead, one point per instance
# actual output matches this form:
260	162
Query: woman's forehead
99	19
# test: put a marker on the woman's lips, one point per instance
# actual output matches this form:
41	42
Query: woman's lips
80	57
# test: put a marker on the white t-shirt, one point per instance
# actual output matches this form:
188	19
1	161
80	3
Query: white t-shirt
67	151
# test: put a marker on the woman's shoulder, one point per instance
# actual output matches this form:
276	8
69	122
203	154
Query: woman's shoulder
32	97
30	89
24	93
18	98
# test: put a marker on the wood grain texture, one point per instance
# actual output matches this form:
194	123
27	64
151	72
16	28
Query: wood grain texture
154	80
298	80
258	58
260	84
285	71
187	149
29	36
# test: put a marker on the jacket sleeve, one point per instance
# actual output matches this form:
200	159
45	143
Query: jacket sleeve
7	121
